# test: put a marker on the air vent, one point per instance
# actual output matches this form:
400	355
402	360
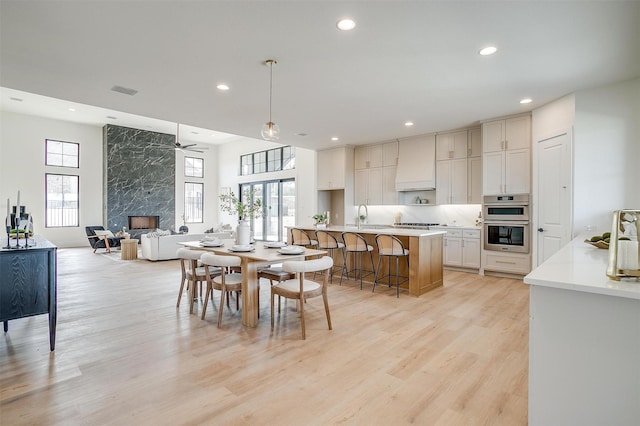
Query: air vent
302	134
124	90
111	117
16	99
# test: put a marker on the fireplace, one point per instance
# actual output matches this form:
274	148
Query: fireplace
144	222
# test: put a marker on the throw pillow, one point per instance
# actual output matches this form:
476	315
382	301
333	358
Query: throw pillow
107	234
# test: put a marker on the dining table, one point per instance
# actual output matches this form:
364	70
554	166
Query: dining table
259	254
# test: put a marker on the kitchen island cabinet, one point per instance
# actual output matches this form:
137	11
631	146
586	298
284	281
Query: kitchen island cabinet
425	254
584	341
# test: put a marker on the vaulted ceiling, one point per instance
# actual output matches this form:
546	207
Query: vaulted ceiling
404	61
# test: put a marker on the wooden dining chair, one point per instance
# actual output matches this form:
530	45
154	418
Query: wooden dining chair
301	288
228	280
192	273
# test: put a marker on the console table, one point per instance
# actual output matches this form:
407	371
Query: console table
28	284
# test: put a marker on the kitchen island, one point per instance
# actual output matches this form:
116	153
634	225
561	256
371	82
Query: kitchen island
425	253
584	341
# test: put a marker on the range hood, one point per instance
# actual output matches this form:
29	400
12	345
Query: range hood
416	164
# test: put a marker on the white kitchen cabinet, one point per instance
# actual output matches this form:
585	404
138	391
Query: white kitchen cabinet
451	145
390	154
333	165
461	247
474	180
368	156
506	164
368	186
389	194
451	181
514	263
474	142
510	133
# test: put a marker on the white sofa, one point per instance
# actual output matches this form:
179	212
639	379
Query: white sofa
166	246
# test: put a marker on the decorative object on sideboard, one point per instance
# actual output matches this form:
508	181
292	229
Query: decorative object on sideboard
18	225
624	245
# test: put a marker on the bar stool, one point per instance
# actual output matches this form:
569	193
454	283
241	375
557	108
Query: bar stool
192	273
300	237
390	246
356	244
327	241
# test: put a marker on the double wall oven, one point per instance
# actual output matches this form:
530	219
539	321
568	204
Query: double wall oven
506	223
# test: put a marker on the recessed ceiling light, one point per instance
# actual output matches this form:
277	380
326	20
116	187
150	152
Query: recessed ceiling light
222	87
489	50
526	101
409	123
72	109
346	24
335	138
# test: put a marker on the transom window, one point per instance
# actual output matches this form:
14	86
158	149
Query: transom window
193	167
62	154
62	200
272	160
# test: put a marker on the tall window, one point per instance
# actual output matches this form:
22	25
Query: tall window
272	160
62	194
193	202
193	167
279	200
63	154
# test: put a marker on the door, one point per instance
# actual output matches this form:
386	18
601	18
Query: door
554	195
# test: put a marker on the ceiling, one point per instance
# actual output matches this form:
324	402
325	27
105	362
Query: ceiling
405	61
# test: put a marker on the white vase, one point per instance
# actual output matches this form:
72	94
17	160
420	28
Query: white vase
243	233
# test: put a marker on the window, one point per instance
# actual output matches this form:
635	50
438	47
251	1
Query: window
273	160
279	200
62	200
193	202
63	154
193	167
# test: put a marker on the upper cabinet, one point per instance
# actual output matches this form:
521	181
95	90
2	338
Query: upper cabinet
506	161
333	167
375	173
451	145
458	167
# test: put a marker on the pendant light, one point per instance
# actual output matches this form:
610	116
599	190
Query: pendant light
270	130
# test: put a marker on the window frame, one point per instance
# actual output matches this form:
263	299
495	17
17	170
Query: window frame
275	160
200	207
46	202
64	143
193	168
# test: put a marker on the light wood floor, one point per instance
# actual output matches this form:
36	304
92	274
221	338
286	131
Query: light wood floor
126	356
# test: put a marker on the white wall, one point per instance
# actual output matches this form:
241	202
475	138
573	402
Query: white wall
304	174
22	142
607	153
210	180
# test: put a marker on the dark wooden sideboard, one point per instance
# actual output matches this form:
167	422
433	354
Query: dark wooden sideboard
28	284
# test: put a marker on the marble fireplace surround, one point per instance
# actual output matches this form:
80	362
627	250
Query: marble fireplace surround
139	177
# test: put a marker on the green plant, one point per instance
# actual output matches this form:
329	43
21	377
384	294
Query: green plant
320	218
245	210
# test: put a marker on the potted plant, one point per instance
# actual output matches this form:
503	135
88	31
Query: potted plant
321	220
251	208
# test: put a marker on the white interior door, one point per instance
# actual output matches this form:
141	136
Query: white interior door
554	195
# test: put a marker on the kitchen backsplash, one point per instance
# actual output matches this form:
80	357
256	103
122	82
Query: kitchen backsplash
452	214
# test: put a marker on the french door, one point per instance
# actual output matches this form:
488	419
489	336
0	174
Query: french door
279	200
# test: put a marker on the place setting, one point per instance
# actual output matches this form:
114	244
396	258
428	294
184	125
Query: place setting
274	244
211	242
239	248
291	250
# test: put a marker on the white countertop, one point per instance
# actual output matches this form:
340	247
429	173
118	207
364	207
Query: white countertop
387	231
581	267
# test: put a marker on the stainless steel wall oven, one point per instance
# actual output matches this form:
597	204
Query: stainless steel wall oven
506	223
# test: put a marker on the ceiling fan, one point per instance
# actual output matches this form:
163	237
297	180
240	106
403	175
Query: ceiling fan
192	147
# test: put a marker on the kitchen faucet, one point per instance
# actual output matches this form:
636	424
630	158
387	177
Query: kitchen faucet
366	213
